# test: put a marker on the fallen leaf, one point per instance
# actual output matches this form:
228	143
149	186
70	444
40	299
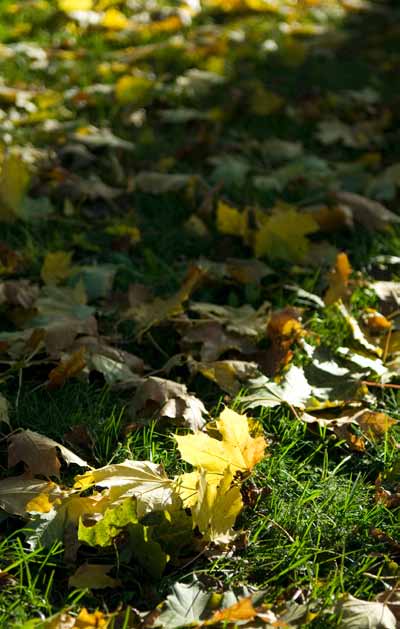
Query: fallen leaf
236	449
243	610
355	613
93	576
229	375
339	279
171	400
14	182
217	508
282	235
371	214
294	390
145	481
67	369
39	453
18	492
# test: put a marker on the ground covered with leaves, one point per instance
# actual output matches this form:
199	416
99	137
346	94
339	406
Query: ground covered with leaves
200	300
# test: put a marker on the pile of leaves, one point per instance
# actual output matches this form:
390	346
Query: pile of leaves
199	221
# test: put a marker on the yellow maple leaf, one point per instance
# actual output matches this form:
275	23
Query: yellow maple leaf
237	449
56	267
283	235
230	220
217	507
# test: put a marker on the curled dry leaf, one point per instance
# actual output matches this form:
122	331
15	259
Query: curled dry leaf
371	214
168	399
39	453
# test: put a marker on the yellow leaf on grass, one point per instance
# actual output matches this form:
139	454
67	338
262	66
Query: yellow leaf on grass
14	181
339	280
87	620
217	507
75	5
114	20
283	235
230	220
56	267
237	449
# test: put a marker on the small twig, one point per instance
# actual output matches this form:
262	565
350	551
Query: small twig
387	341
368	383
278	526
20	376
157	346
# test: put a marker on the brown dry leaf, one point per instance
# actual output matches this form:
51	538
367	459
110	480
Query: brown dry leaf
244	320
371	214
331	219
339	280
67	369
168	399
84	620
283	330
18	293
213	340
373	424
154	312
235	269
39	453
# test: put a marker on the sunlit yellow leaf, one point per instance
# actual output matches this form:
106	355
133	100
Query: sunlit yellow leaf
217	508
236	449
75	5
114	20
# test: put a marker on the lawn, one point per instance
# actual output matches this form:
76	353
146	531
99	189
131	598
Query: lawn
199	298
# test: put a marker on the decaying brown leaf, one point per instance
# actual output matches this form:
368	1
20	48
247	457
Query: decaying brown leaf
371	214
168	399
39	453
